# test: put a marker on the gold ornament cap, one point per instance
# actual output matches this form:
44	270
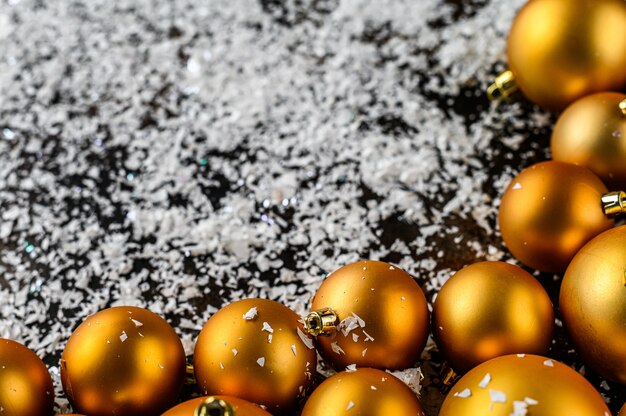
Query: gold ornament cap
214	406
503	87
321	322
614	203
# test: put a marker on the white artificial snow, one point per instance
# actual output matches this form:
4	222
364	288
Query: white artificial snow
485	381
463	394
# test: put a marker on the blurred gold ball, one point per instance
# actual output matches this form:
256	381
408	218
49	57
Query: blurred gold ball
241	407
256	349
593	303
123	361
364	392
491	309
592	133
561	50
25	384
523	384
549	211
383	316
622	412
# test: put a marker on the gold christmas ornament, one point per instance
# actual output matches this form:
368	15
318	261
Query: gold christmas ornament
364	392
25	384
256	349
622	412
123	361
371	314
219	405
592	133
561	50
593	303
549	211
523	384
491	309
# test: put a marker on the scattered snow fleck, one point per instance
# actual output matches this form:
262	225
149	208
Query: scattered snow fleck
336	348
305	339
251	314
123	337
350	405
548	363
261	361
267	327
463	394
235	352
485	381
350	368
517	185
497	396
293	349
137	323
521	355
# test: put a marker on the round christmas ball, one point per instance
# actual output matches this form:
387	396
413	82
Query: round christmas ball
25	384
593	303
622	412
592	133
381	317
123	361
523	384
256	349
364	392
562	50
491	309
549	211
239	406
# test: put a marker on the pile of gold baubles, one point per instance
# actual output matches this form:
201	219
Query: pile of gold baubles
253	357
492	321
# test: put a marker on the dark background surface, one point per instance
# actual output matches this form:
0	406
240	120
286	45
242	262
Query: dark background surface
179	155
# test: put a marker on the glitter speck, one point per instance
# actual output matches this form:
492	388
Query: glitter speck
617	134
463	394
123	337
548	363
261	361
350	405
517	185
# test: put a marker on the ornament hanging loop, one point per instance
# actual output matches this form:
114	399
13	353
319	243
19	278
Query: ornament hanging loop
321	322
622	106
614	203
503	87
214	407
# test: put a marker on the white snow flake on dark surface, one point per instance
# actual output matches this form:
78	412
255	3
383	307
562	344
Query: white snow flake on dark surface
180	155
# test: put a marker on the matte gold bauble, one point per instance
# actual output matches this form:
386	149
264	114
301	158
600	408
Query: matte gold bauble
491	309
241	407
549	211
364	392
255	349
123	361
523	385
25	384
381	316
592	133
562	50
593	303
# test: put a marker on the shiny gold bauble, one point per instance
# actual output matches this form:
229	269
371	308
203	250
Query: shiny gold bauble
255	349
25	384
491	309
561	50
364	392
241	407
593	303
382	313
622	412
123	361
508	385
549	211
592	133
